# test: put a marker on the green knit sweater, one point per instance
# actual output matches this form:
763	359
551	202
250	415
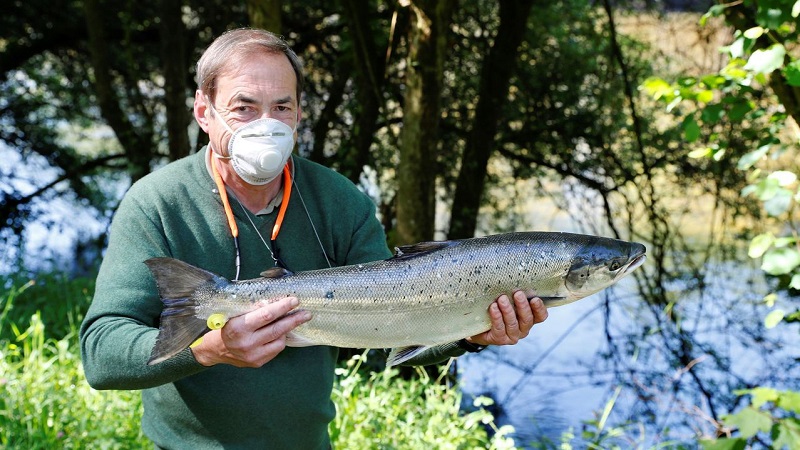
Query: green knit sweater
177	212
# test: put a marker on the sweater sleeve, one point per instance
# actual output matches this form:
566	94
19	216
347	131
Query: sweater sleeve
120	327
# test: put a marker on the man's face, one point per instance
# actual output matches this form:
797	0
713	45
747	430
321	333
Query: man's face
264	85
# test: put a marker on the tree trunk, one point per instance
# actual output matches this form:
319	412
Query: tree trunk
416	177
496	73
174	66
139	149
369	79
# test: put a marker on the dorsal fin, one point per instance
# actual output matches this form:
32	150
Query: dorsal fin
422	248
276	272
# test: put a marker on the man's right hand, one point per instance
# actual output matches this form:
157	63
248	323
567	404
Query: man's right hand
252	339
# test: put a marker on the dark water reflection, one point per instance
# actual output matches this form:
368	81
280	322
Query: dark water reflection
674	369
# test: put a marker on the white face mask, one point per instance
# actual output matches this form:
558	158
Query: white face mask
258	150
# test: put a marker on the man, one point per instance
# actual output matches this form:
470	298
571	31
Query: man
241	387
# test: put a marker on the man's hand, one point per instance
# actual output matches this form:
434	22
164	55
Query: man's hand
252	339
511	322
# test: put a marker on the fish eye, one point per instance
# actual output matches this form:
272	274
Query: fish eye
615	265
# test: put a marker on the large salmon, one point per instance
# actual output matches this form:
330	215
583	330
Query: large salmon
427	294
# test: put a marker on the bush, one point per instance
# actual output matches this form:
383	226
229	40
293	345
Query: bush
45	401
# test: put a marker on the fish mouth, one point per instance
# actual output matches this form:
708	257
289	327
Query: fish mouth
635	262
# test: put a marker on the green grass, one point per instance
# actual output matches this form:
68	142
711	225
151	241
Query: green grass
381	410
45	401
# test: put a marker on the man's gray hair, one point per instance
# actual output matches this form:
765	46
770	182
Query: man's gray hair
233	46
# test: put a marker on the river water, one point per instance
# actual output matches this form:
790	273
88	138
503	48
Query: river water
666	377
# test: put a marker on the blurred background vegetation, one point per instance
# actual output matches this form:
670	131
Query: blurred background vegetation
673	123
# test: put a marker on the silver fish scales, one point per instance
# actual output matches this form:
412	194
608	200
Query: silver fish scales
427	294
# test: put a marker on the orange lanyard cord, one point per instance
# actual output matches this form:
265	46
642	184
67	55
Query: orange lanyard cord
287	192
223	193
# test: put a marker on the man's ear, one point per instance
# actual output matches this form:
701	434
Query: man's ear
201	110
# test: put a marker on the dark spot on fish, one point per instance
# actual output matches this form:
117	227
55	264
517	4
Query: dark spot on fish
329	295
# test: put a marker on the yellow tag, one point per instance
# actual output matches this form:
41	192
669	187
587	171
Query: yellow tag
216	321
197	342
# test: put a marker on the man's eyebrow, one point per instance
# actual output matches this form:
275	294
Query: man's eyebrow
244	98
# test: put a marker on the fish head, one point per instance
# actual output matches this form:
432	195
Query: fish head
601	263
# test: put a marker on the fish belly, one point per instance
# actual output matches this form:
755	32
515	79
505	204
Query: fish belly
384	327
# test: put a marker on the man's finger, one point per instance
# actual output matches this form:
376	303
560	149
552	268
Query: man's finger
512	331
539	310
524	311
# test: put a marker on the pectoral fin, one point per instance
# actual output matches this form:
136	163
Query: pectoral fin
552	301
294	339
400	355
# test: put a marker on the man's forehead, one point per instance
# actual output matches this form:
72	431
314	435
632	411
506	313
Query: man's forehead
255	78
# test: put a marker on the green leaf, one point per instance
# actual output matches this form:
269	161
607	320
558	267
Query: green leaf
736	49
784	177
784	241
762	395
754	33
739	110
705	96
734	70
790	401
691	131
792	73
770	15
715	11
779	261
767	60
750	421
657	88
760	244
774	318
750	189
712	113
766	189
778	203
788	434
713	81
795	283
703	152
748	160
724	444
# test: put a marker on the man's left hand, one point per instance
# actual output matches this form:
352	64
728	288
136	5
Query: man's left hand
511	321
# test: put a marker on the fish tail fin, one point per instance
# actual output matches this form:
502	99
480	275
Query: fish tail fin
177	282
